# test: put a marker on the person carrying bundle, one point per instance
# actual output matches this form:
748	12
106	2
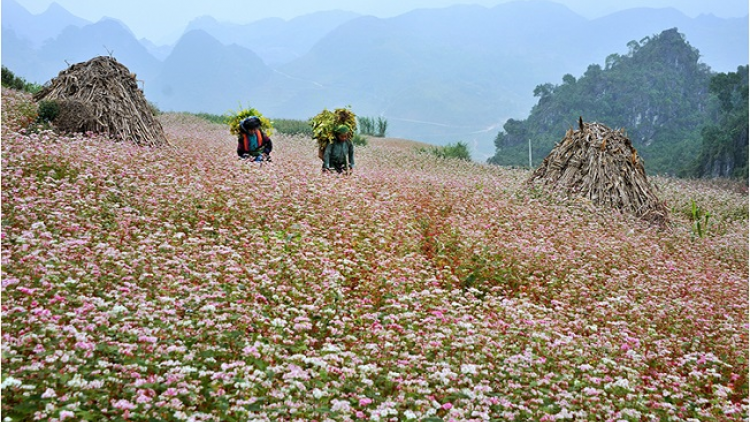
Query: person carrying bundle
338	155
252	143
333	132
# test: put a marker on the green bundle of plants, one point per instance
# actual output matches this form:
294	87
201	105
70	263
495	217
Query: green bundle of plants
234	119
326	122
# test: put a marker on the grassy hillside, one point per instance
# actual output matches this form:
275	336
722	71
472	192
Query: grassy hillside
167	284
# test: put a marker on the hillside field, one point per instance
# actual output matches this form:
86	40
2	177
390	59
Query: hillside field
181	284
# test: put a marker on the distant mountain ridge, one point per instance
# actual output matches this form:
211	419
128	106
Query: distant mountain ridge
275	40
38	28
437	75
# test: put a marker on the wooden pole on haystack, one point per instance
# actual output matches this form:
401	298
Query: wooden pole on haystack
530	165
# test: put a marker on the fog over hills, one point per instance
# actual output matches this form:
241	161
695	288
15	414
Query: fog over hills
437	75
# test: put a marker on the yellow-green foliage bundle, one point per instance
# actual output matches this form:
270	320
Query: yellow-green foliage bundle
325	123
234	119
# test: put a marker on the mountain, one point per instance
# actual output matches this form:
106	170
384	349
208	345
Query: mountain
438	75
723	43
105	37
37	28
202	74
658	92
458	73
19	54
275	40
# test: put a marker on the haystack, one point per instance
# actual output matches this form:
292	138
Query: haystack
101	95
601	165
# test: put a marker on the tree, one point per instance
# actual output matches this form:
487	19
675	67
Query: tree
658	92
724	149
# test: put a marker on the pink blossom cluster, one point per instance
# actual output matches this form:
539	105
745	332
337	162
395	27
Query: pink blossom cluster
180	283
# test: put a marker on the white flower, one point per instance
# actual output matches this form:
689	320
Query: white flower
722	391
117	309
208	308
632	413
77	381
340	406
469	369
622	382
565	414
278	322
9	382
410	415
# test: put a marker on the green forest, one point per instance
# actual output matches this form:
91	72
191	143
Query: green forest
684	119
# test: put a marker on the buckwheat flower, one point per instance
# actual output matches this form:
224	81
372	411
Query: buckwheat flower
142	398
117	309
123	404
9	382
77	381
631	413
49	393
65	414
565	414
623	383
342	406
365	401
469	369
721	391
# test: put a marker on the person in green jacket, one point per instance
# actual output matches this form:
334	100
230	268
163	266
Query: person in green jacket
339	154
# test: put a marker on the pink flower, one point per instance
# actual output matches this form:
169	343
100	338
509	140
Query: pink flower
365	401
360	414
65	414
447	406
123	405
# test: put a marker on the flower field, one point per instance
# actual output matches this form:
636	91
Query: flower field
179	283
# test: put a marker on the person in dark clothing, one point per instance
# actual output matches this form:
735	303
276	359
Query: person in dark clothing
339	154
252	143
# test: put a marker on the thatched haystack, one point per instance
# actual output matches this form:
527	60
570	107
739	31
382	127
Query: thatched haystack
101	95
601	165
75	116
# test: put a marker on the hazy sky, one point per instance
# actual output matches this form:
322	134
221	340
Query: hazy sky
164	20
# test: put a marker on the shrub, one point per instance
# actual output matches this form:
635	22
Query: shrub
359	140
366	125
293	127
370	126
382	127
10	80
48	110
459	150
